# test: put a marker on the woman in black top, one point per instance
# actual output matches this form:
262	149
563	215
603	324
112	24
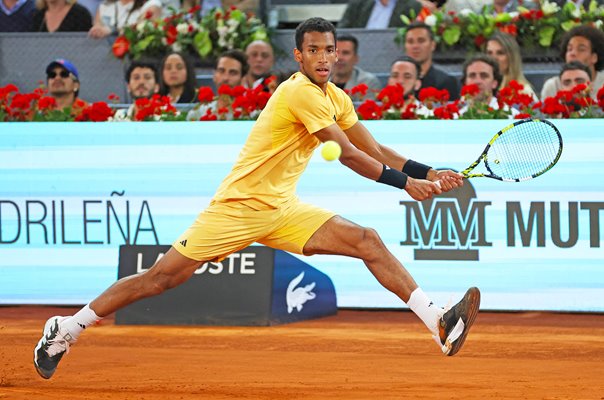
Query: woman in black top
61	16
177	78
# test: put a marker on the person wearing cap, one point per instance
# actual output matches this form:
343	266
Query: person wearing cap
63	84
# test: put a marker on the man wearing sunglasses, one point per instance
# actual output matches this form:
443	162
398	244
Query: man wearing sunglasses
63	84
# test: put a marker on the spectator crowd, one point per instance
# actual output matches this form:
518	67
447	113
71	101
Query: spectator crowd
493	83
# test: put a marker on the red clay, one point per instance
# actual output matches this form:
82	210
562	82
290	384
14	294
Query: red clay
354	355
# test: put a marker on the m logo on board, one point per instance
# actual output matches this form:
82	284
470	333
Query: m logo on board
450	226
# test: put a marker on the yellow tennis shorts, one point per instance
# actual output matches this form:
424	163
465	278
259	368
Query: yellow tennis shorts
224	228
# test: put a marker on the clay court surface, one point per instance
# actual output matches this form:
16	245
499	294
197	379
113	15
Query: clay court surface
354	355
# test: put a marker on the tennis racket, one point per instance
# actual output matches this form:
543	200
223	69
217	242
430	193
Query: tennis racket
519	152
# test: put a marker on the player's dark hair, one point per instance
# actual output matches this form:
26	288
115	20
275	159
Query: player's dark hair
142	64
575	65
316	24
236	55
352	39
485	59
595	37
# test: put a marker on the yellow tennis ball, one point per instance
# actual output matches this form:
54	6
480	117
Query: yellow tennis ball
331	150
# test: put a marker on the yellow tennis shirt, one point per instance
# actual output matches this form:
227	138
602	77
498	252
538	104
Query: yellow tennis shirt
282	142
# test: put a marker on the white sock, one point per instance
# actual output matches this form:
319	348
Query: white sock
80	321
425	309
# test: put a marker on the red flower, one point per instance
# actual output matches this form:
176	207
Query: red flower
360	89
209	116
423	13
238	91
249	101
522	116
46	103
470	90
479	41
392	96
120	47
96	112
113	97
205	94
433	94
510	29
5	91
194	9
171	34
600	97
551	106
157	105
369	110
38	92
224	90
448	111
512	95
409	111
22	100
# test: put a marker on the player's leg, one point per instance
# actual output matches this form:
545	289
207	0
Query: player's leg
216	233
169	271
307	229
342	237
60	332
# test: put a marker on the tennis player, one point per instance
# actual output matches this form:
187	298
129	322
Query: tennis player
257	203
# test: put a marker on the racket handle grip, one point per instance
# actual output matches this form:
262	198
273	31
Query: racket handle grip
437	183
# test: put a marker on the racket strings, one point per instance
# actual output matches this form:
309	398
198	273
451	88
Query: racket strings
524	151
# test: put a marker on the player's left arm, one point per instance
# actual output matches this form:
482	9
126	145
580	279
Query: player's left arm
362	139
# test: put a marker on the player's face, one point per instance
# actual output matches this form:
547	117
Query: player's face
419	45
496	50
579	49
142	83
228	72
481	74
347	58
404	73
317	57
571	78
175	71
260	57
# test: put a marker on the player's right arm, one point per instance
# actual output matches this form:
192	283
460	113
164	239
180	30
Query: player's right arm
369	167
361	138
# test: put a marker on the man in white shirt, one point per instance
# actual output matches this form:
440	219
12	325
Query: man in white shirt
231	67
483	71
142	81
